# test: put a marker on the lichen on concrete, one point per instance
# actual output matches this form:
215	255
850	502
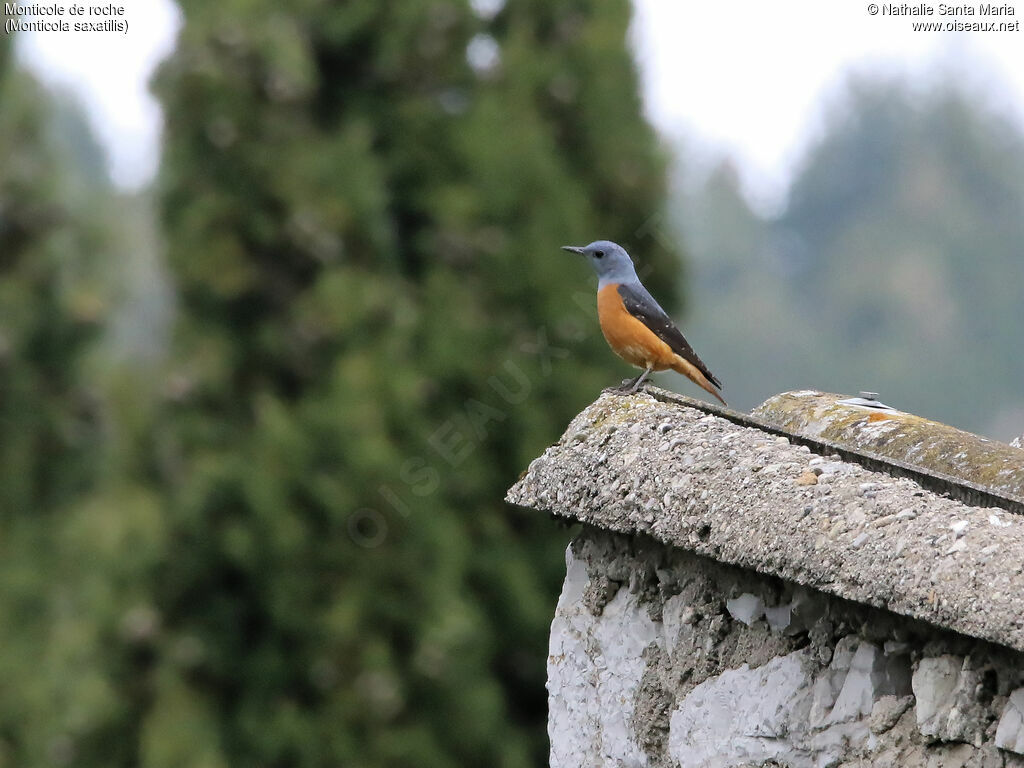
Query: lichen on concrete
900	436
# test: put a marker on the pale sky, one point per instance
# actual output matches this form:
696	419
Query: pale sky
749	77
109	72
743	77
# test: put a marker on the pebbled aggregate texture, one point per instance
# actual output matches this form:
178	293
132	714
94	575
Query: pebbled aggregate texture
741	496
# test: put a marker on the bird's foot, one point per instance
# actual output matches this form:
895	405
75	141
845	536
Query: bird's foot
640	380
628	386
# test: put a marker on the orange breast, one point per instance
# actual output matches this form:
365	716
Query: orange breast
630	339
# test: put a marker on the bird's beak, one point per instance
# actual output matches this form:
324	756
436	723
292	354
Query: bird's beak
573	249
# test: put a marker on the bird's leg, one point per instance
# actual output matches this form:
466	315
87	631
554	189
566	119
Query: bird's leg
627	384
640	380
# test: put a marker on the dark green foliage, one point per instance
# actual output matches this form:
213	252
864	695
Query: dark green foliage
296	553
377	332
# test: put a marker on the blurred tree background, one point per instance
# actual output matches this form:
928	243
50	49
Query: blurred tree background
60	254
895	266
271	533
282	542
52	245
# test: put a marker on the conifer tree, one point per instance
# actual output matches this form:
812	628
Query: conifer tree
363	204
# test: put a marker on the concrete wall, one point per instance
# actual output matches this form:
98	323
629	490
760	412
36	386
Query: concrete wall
661	657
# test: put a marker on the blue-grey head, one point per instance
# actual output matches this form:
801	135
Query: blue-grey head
609	260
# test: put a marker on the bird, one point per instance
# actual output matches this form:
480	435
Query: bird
635	326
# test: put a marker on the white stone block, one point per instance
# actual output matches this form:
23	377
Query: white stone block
741	715
779	616
595	665
934	684
1010	732
747	608
858	692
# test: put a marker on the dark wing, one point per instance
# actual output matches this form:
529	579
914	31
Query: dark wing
641	305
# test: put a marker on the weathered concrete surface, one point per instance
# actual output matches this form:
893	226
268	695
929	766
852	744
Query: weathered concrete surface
900	436
704	484
651	666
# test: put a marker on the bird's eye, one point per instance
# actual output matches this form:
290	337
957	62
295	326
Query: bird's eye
599	254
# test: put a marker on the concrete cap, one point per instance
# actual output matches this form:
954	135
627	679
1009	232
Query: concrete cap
660	464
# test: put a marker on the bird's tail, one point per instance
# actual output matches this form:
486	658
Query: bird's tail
690	371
